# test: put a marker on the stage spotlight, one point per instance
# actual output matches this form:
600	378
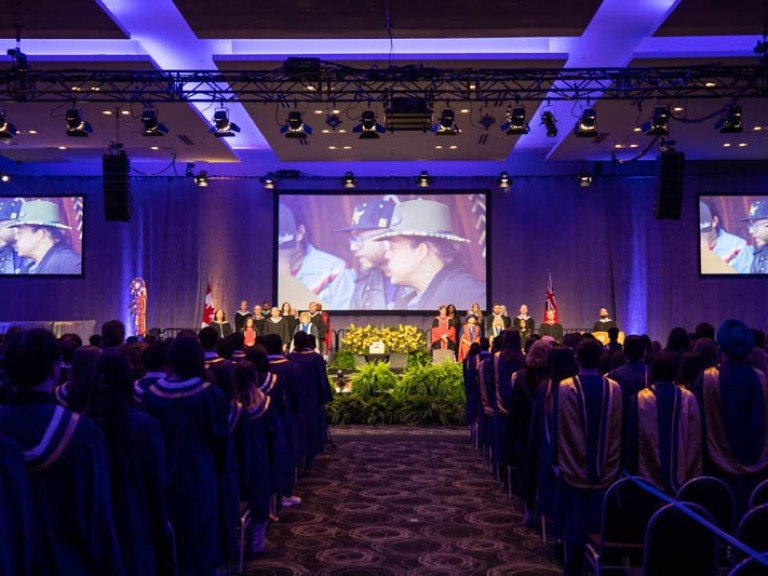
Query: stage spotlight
333	121
222	127
446	126
424	180
585	179
368	127
548	119
202	179
730	123
151	126
658	125
504	181
76	126
586	127
190	170
349	180
7	130
295	127
269	180
516	124
4	177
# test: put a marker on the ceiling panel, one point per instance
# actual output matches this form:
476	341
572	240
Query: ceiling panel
716	18
54	19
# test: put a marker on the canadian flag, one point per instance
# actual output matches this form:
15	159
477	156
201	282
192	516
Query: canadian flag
208	306
549	301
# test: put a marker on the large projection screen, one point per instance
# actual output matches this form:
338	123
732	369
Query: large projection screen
733	235
385	251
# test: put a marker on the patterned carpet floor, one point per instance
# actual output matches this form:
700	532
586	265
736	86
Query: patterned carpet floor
391	501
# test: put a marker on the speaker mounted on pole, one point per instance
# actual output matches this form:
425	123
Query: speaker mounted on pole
669	196
117	185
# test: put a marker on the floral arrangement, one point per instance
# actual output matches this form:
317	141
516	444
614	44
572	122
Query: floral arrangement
403	339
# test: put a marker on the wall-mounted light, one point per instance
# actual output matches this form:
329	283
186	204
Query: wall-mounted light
504	181
424	180
585	179
202	179
269	180
349	180
4	177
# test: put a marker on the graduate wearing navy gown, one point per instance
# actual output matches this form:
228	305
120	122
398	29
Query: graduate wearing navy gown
67	466
193	415
16	531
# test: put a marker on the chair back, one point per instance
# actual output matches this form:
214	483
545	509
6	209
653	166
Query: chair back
715	496
753	529
759	495
627	509
677	544
751	567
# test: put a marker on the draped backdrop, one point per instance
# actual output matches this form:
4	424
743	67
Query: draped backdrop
601	244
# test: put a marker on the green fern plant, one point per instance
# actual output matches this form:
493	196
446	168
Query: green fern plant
372	379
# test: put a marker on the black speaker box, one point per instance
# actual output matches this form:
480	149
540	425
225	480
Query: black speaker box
117	187
669	197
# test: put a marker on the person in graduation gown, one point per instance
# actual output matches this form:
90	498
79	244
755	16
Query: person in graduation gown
733	399
506	362
193	415
668	435
551	328
472	385
305	325
604	322
289	315
443	333
67	466
221	324
280	325
524	323
587	445
136	467
314	394
496	327
241	314
468	335
16	516
153	360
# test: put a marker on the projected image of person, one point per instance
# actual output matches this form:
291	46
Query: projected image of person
40	237
306	272
373	288
754	259
424	255
716	239
9	260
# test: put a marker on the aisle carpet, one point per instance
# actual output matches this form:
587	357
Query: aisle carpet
402	501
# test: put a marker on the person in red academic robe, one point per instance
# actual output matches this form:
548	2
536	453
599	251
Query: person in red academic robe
443	332
470	333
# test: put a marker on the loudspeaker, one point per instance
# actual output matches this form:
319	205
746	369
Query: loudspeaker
669	198
117	187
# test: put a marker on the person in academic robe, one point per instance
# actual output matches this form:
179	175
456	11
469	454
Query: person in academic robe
16	512
67	465
317	318
289	315
469	334
314	394
733	399
472	385
193	415
241	314
443	333
279	325
71	394
221	324
305	325
479	318
604	322
587	441
524	323
551	328
497	314
668	435
496	328
259	318
506	362
453	316
136	464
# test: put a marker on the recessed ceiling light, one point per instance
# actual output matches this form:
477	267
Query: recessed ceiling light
331	147
32	132
325	131
311	88
342	131
439	147
335	111
154	148
757	128
743	144
107	112
637	129
125	112
727	145
678	109
464	110
95	88
618	145
62	147
453	147
633	145
318	111
710	84
347	147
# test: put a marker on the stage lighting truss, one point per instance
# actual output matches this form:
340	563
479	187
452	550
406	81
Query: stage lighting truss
368	128
151	125
294	127
658	125
223	127
586	126
446	125
549	122
76	126
730	122
7	130
423	180
349	180
516	124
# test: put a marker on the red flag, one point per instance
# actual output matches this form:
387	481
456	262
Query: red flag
208	309
549	301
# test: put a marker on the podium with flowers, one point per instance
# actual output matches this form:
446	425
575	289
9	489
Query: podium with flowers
387	344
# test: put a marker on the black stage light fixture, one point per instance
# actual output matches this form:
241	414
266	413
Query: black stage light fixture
7	130
202	179
424	180
76	126
269	180
333	121
295	127
349	180
516	124
586	126
585	179
222	126
548	119
730	122
151	126
504	181
446	126
368	127
189	173
658	125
